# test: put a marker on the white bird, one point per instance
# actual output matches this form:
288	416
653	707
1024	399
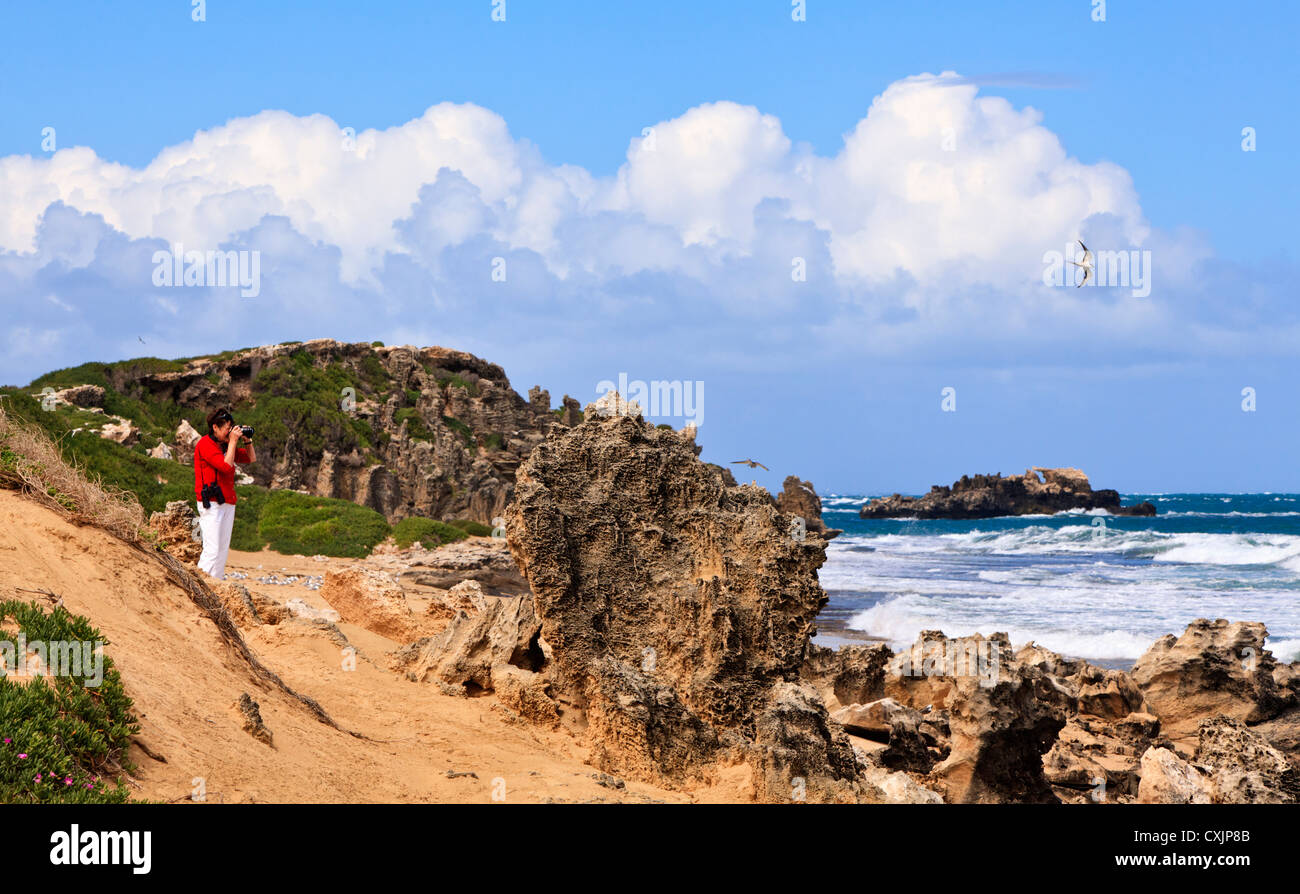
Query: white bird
1087	264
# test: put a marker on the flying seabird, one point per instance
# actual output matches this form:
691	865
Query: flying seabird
1087	264
751	463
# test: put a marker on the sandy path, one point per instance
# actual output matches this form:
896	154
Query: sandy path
185	681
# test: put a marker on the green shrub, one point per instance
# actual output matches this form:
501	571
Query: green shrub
415	426
85	374
372	370
248	514
297	524
460	428
492	441
457	381
473	528
131	470
295	400
426	531
22	405
58	728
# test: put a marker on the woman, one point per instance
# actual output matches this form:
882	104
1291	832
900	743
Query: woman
215	456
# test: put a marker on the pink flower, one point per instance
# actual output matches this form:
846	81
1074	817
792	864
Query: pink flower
38	777
7	741
22	757
67	780
88	785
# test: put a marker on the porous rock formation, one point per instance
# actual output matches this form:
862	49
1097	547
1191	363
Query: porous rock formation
1232	764
967	717
989	496
422	431
1214	667
668	621
372	600
175	530
676	610
998	715
485	561
799	498
489	646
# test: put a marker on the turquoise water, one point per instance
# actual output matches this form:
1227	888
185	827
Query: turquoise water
1088	585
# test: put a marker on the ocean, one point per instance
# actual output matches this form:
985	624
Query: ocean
1088	585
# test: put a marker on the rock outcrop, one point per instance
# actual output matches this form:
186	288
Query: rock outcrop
487	562
1097	761
799	498
1096	757
374	601
1168	779
404	430
848	675
989	496
997	714
901	730
85	396
1232	764
1213	667
473	652
175	530
676	610
183	441
250	712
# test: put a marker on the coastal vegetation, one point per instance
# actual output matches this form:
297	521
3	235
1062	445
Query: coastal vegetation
61	740
295	405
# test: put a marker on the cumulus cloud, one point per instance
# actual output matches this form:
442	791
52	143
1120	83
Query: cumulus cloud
928	228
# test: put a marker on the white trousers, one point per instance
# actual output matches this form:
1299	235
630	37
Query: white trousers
215	525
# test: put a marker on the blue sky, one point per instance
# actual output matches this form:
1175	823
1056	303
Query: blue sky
839	382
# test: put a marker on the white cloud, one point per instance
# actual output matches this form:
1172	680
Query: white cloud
928	226
934	174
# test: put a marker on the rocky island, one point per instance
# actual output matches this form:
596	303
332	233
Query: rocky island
989	496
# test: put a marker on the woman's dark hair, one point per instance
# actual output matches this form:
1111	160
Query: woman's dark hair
217	417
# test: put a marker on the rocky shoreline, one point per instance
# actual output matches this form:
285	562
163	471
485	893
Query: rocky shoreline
991	496
662	616
664	620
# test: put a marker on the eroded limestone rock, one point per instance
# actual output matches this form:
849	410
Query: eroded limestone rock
677	609
1213	667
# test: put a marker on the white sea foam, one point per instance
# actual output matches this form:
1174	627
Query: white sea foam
1158	546
1233	514
1284	650
1231	549
1076	584
901	620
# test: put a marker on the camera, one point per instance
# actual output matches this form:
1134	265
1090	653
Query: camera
247	430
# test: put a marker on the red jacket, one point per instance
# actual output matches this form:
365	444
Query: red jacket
210	462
